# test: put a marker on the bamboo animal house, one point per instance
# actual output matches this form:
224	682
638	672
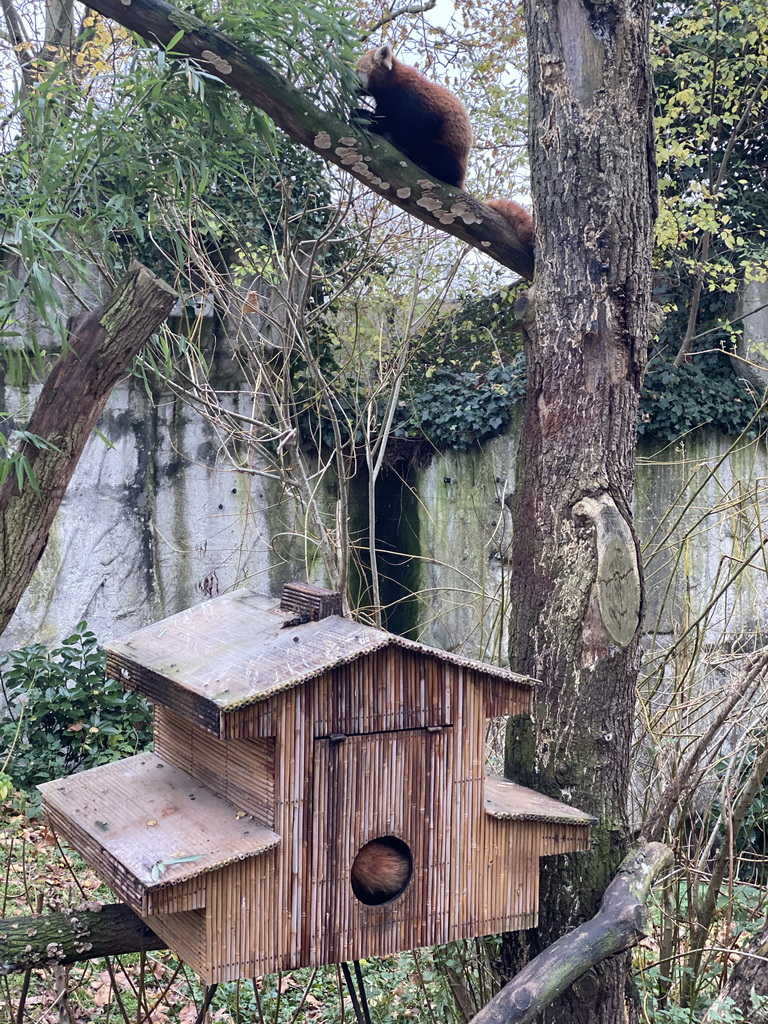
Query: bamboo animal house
317	791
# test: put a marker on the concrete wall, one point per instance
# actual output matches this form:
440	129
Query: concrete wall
700	508
159	521
153	522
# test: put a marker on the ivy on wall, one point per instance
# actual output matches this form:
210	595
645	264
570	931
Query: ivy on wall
455	409
704	392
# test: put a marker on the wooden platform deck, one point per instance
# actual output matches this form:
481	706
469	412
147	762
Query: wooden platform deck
144	825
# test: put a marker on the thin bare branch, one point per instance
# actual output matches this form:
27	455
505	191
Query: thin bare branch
390	16
689	774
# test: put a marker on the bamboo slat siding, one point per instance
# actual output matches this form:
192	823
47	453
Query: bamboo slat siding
390	689
244	925
242	771
163	691
288	749
557	838
185	934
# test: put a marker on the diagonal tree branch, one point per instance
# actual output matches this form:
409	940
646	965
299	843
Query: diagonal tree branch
620	923
368	158
74	394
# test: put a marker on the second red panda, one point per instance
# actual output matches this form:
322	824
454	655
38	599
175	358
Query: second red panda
517	216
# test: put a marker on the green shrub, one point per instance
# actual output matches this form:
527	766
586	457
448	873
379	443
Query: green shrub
62	715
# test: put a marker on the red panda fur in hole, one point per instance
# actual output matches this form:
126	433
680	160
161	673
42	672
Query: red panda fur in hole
381	870
428	124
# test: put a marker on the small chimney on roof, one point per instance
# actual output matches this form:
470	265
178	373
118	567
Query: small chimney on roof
310	603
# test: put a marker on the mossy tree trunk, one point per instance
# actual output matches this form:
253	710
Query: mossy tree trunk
99	353
576	590
747	986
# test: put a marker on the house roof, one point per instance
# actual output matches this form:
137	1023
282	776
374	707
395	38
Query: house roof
512	802
241	648
144	824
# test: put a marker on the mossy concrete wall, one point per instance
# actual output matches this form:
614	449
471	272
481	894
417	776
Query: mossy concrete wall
701	508
154	521
465	536
158	520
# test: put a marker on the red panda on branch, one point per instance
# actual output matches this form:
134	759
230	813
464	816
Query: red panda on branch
517	216
428	124
420	118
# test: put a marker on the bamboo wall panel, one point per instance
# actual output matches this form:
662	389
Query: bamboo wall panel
367	787
245	930
559	838
161	690
241	771
185	935
390	689
504	883
178	897
502	696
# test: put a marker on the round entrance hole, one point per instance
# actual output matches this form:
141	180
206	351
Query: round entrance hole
381	870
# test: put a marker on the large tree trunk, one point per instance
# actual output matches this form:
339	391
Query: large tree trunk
99	354
576	590
749	976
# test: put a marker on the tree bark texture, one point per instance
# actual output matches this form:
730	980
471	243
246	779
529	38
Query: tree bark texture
367	157
99	353
576	581
68	937
750	975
